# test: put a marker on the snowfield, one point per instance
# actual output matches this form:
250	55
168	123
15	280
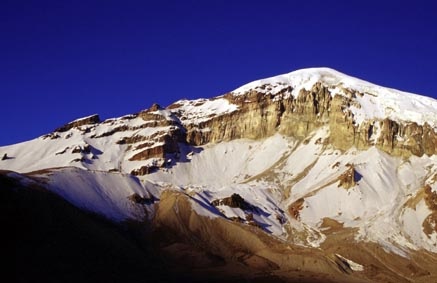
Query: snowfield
375	205
103	193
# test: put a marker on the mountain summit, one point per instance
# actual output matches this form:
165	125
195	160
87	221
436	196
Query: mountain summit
312	173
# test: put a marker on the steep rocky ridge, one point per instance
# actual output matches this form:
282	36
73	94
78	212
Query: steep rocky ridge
358	115
260	115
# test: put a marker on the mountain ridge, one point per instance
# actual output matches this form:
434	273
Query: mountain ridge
304	159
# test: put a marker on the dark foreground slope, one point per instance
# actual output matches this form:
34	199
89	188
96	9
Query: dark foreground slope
54	241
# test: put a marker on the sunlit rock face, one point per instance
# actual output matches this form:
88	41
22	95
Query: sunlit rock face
93	119
261	115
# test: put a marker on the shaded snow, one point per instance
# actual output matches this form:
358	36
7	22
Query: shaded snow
227	162
103	193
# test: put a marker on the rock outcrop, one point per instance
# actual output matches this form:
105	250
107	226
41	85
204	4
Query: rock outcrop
161	142
235	201
94	119
349	178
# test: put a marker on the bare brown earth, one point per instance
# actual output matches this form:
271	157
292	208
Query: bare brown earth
246	252
379	265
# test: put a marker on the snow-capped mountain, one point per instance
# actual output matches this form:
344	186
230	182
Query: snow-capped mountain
313	160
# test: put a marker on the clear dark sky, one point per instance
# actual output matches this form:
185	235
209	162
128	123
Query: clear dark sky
61	60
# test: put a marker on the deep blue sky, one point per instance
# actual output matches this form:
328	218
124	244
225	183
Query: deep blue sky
61	60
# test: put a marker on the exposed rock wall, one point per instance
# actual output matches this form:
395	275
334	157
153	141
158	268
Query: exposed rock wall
161	142
400	139
260	115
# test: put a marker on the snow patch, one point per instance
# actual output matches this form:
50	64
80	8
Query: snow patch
200	110
104	193
353	265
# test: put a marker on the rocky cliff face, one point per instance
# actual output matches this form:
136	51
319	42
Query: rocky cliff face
260	115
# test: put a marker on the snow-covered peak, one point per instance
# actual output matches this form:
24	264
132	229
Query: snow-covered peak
304	78
376	102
